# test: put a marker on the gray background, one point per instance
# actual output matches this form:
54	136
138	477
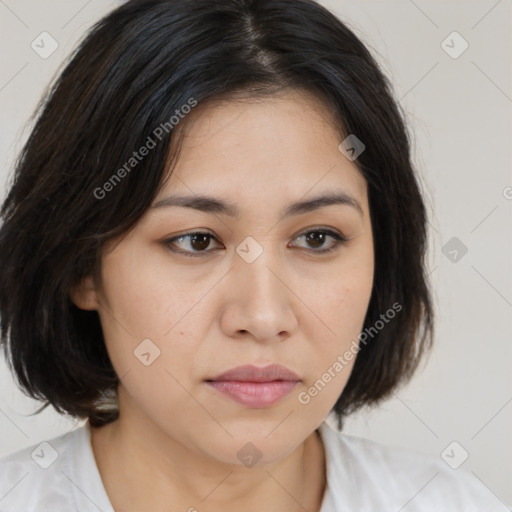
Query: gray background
459	110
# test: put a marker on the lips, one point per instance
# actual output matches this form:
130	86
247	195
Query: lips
255	387
250	373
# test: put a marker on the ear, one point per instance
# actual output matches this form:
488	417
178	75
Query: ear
84	294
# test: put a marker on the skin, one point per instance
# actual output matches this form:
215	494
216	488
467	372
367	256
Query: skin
207	314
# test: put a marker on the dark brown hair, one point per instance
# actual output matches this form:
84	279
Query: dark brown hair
132	73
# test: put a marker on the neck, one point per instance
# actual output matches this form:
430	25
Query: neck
143	468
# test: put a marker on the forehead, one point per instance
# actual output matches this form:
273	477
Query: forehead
279	146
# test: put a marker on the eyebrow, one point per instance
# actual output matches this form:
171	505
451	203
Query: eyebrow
210	204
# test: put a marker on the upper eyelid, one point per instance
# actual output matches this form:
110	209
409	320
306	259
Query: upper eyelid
199	231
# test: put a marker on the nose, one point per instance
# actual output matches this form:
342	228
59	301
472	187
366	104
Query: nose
260	302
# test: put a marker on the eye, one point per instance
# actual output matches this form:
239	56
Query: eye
317	238
195	243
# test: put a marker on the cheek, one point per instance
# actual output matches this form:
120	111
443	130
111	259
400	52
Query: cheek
145	308
144	296
146	321
339	299
341	305
346	304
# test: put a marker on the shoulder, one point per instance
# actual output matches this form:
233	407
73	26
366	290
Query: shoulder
45	476
369	475
36	476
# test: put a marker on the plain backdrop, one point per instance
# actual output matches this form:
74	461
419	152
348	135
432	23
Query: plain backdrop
459	112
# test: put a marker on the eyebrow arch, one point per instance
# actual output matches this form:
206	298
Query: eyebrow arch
210	204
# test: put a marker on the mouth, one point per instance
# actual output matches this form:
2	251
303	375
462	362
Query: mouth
256	395
255	387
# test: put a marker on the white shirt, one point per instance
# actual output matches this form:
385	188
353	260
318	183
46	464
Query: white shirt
61	475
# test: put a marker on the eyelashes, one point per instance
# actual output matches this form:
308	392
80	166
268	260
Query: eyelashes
199	242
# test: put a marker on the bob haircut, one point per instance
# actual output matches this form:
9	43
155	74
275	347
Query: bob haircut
133	72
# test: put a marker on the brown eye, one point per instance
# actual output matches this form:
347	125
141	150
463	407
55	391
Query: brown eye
200	241
318	237
191	244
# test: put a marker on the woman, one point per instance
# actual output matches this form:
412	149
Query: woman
215	237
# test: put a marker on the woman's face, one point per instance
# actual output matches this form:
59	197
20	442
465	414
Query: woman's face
257	290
